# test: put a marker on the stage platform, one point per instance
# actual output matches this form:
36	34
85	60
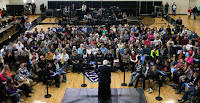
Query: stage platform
118	95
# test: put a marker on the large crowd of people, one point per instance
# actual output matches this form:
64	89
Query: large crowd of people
146	52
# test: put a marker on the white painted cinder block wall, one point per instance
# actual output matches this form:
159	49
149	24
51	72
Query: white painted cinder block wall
194	3
3	3
182	5
197	3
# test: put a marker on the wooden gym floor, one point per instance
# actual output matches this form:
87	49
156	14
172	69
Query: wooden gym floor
74	80
189	23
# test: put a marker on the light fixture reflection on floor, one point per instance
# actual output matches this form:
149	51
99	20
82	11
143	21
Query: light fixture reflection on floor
38	101
170	101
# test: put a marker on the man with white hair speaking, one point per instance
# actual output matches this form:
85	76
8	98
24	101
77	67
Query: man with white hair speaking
104	71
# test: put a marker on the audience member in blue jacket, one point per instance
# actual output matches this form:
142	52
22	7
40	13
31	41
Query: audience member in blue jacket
103	49
194	35
90	29
60	29
80	49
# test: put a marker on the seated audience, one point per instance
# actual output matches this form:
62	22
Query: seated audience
125	58
166	69
36	70
117	59
16	59
75	62
23	87
152	76
6	72
8	59
1	61
154	54
33	56
14	91
99	57
23	71
179	70
60	70
145	72
47	54
138	70
189	59
133	60
50	72
42	64
109	57
139	51
193	80
24	58
80	50
85	59
197	57
64	57
191	92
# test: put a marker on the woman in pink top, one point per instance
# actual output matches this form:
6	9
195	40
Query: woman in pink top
132	38
6	72
148	42
2	78
151	37
189	59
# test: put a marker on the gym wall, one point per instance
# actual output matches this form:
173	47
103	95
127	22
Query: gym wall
3	3
182	5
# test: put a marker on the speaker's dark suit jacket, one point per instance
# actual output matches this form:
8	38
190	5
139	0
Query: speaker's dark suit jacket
104	74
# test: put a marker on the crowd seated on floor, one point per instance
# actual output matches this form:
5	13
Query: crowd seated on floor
151	54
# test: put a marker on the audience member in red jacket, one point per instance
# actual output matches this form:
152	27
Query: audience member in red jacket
184	41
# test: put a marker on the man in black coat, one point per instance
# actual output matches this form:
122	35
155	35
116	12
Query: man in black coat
33	8
104	92
153	75
85	59
168	52
42	64
179	21
195	11
50	72
99	57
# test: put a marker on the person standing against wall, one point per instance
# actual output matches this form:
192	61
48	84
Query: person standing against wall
84	9
166	8
189	12
73	9
174	7
199	10
195	10
33	8
42	8
1	13
4	12
66	12
69	12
